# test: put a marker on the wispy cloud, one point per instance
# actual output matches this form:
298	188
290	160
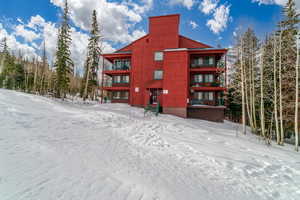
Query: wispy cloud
193	24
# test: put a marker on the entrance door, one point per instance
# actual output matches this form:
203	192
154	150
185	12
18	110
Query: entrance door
155	95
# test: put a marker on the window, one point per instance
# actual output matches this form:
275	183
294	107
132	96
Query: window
120	79
198	61
158	74
126	79
203	61
209	78
158	56
199	95
206	96
210	96
120	95
211	60
123	64
198	78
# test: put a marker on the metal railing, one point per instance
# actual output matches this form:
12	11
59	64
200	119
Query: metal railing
216	63
218	102
117	67
112	83
203	84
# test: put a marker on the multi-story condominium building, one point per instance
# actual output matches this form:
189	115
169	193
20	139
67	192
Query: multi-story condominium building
185	77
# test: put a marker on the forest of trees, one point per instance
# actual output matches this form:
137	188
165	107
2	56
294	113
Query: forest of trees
38	77
263	91
264	81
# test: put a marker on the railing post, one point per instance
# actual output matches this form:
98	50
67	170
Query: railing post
102	93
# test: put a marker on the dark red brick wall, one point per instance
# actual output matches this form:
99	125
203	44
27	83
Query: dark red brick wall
210	114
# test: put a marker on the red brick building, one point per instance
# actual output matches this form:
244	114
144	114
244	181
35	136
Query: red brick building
187	78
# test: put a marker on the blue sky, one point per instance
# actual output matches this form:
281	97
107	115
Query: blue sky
26	23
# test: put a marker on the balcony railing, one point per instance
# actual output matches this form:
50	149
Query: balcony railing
218	102
195	65
202	84
117	67
107	84
216	63
112	83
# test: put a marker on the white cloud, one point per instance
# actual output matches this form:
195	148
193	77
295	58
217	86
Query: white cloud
20	21
208	6
48	31
220	19
115	19
15	46
193	24
28	35
35	22
277	2
146	6
186	3
234	34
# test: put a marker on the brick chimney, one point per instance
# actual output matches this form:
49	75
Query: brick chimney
164	30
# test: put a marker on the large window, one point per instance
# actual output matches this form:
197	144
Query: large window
209	78
203	61
158	56
121	79
158	74
205	96
203	78
121	64
198	78
122	95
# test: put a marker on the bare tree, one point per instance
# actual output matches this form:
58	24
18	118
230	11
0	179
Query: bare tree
275	91
297	95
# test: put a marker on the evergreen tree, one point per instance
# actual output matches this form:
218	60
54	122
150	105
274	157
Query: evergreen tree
89	84
63	64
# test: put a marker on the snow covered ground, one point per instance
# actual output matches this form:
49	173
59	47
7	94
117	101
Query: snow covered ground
52	150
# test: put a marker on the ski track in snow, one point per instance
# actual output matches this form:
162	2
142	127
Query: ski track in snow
53	150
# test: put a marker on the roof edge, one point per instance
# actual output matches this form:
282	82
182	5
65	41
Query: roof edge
208	46
171	15
132	42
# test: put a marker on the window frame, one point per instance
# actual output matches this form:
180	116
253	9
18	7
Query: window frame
160	58
162	74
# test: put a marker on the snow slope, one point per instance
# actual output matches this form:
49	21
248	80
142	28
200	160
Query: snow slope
52	150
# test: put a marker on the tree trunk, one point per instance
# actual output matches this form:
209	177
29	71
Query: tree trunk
253	91
275	95
262	110
280	90
35	77
297	97
86	82
243	93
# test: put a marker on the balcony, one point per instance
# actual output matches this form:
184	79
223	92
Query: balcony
197	102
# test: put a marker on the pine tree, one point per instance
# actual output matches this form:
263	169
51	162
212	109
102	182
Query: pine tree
63	64
89	84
